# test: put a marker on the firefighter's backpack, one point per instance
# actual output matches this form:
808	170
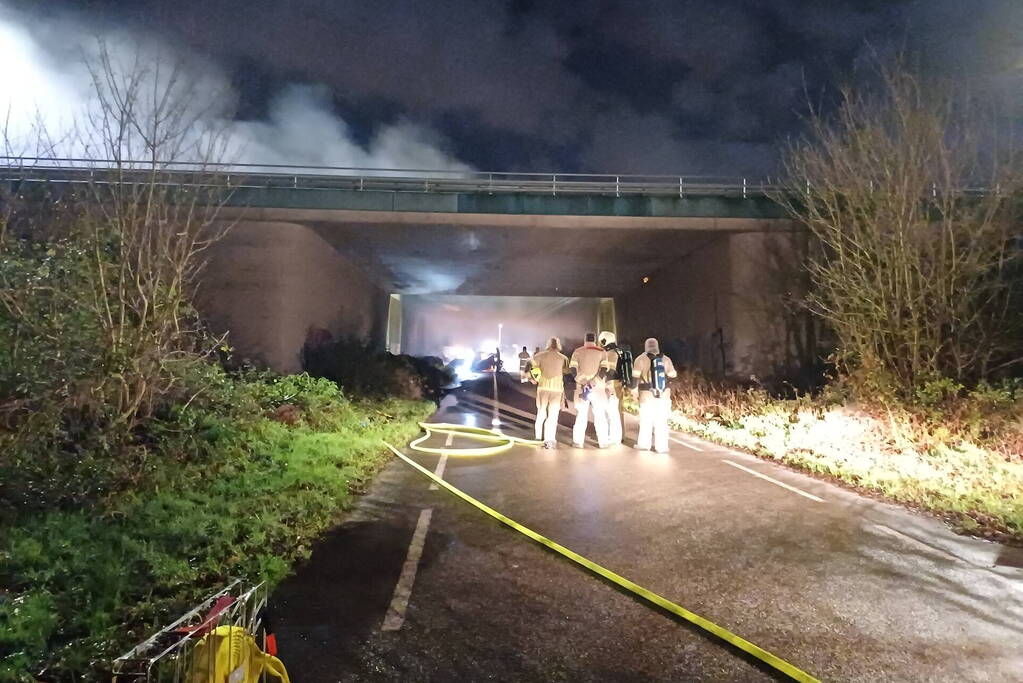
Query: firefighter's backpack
658	375
229	654
623	369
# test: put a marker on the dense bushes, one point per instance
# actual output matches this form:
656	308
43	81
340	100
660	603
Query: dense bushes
77	383
359	366
81	373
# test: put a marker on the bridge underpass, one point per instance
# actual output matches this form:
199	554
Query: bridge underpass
688	260
692	281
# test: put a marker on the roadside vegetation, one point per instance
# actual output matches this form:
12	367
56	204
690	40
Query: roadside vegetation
954	452
911	204
363	368
238	484
136	473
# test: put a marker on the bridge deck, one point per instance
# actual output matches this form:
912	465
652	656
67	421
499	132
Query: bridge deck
398	190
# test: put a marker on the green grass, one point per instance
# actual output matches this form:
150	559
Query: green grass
77	587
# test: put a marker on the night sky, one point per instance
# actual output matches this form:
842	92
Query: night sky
690	86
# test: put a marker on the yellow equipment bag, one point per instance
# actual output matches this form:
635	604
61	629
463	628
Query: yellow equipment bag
229	654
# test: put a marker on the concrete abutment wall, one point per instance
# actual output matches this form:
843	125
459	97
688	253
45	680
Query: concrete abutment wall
268	284
722	308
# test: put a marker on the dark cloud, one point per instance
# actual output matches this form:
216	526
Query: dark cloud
674	86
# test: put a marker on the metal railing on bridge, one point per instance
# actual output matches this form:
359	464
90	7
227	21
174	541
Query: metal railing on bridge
376	179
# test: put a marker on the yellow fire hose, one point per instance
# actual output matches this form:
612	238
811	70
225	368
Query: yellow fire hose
503	442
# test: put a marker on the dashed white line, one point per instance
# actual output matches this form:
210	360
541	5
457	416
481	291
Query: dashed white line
774	481
442	462
489	403
403	591
526	422
687	444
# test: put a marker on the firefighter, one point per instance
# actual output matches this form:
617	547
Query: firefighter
548	373
619	376
589	366
652	370
524	359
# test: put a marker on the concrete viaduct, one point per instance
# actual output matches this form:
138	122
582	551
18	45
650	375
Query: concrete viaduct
679	258
685	259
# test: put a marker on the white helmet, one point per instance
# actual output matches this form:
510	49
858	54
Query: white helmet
607	338
651	346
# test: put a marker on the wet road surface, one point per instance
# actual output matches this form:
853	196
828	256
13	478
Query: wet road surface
842	586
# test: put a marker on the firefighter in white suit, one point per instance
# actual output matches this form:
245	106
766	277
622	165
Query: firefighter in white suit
615	385
589	365
548	373
651	372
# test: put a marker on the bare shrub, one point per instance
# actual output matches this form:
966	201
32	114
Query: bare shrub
916	209
97	274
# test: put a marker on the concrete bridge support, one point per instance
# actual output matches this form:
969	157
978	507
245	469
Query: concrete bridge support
268	284
296	263
722	309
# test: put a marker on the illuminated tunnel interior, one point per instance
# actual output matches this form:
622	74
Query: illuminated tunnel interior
454	325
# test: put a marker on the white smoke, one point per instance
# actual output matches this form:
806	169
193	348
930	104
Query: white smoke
49	104
34	90
301	126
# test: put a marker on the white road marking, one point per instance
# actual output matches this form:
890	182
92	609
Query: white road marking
526	424
484	400
442	462
774	481
403	591
528	419
516	421
687	444
496	420
477	407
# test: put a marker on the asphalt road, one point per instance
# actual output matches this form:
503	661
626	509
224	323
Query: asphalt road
842	586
